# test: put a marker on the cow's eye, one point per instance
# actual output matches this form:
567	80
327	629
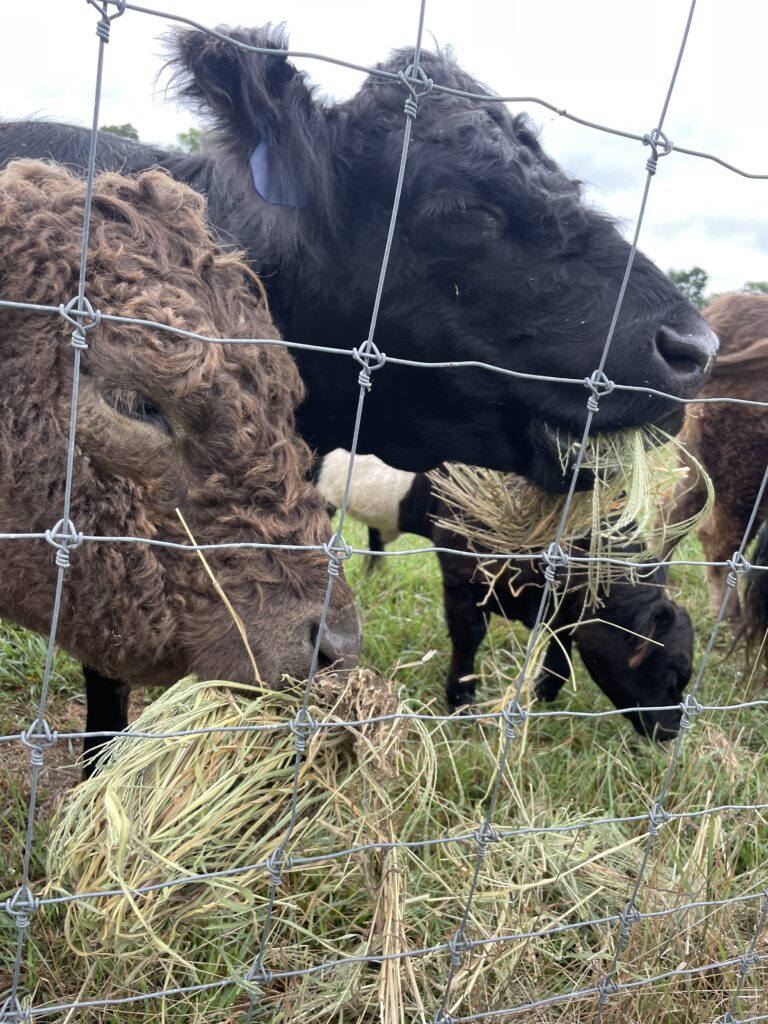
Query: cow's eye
135	405
478	221
457	230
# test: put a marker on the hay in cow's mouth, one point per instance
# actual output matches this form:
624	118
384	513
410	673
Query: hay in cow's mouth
634	474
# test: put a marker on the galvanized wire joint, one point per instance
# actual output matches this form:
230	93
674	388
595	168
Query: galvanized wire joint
65	538
599	384
407	78
83	320
660	146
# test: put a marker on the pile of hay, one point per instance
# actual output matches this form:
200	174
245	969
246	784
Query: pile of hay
168	808
635	474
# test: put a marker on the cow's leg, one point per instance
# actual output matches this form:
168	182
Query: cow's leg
467	627
720	535
556	667
106	711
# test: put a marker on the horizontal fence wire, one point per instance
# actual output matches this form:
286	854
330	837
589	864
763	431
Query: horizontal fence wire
39	736
418	364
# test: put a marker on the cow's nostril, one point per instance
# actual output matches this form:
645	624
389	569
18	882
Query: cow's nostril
686	354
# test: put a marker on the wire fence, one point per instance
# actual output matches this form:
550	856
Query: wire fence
368	360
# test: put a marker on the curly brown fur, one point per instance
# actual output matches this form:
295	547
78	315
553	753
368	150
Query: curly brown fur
163	421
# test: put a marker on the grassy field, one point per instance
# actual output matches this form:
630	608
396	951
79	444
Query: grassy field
562	770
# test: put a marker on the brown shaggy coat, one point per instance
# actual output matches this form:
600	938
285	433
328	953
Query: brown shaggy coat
163	421
731	441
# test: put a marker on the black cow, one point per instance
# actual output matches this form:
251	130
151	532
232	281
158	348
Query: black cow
637	646
495	258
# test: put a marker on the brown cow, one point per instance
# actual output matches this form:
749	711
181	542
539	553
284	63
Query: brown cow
163	422
731	441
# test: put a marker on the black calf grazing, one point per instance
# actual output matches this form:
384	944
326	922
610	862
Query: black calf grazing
637	646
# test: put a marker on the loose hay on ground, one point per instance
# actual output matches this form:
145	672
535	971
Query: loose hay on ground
176	806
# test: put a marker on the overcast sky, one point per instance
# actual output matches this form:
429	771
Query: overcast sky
606	60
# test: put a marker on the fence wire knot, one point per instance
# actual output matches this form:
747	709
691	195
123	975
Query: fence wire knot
657	817
83	320
22	905
513	716
276	863
12	1010
553	558
257	976
690	709
102	28
727	1018
599	384
38	737
660	146
411	106
606	987
484	836
303	728
370	358
630	915
739	566
747	962
458	945
442	1017
336	550
65	538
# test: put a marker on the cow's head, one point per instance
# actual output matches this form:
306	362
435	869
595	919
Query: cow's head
164	422
640	655
496	259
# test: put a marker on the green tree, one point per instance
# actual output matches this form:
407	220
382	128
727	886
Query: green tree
125	131
191	141
692	283
756	287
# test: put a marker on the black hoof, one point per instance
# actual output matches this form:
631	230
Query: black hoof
461	701
547	687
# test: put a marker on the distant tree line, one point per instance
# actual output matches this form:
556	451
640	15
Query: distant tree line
693	284
190	141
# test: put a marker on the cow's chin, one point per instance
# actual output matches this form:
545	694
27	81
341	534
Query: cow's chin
553	457
553	452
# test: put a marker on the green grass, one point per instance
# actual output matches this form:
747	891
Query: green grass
561	770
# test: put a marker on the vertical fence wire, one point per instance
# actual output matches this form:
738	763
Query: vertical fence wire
369	359
514	715
63	537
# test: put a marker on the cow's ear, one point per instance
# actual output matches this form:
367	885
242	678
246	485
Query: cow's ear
642	649
261	107
661	618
